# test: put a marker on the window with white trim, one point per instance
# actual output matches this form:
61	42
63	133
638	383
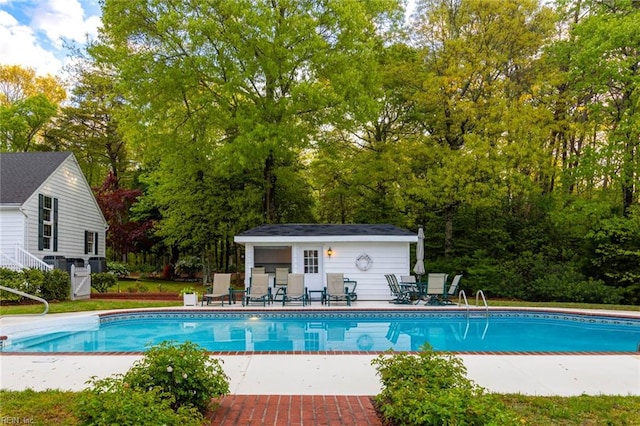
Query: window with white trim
311	261
90	242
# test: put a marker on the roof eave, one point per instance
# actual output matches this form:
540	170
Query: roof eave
326	239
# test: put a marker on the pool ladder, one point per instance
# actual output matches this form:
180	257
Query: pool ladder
463	296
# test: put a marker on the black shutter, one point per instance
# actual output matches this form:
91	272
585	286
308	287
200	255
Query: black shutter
95	243
55	224
40	224
86	241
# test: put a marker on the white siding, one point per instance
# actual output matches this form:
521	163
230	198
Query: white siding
387	258
78	212
12	228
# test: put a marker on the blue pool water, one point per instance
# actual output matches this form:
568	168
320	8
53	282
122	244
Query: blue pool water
501	331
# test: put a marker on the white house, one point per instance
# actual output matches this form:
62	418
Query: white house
363	253
47	209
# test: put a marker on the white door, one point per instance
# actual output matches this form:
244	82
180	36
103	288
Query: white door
310	264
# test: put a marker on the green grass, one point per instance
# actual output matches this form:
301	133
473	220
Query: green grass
56	407
85	305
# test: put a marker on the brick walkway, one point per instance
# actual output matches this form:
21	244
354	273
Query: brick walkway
295	410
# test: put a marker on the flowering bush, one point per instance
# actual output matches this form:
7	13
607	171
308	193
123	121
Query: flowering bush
183	373
188	265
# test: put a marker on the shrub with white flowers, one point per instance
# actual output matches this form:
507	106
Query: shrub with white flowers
184	373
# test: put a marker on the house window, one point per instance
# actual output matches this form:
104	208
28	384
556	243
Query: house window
90	242
311	261
47	223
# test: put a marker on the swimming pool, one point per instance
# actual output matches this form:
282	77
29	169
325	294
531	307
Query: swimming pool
337	331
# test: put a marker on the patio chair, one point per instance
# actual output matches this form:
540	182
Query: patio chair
220	288
295	289
436	283
257	270
453	289
259	289
336	289
280	282
399	294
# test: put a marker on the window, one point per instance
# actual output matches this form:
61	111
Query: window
90	242
311	261
47	223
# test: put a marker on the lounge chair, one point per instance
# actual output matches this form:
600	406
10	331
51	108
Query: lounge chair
453	289
280	282
336	289
259	289
436	283
257	270
295	289
399	294
220	288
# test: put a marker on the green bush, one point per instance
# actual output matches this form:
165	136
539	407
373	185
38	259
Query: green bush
119	269
431	388
183	373
103	281
188	265
56	285
33	281
112	401
11	279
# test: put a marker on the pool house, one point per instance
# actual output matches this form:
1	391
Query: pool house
362	252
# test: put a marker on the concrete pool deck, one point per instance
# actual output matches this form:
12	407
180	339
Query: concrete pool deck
342	374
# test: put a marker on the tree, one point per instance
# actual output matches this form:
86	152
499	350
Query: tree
28	104
251	81
474	91
605	67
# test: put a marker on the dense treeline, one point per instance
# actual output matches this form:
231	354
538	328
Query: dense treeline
510	130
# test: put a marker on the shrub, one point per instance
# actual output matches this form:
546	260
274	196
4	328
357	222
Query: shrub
11	279
33	281
103	281
431	388
112	401
119	269
188	265
56	285
183	373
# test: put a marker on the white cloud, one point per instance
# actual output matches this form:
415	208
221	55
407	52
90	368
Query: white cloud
64	19
32	32
20	46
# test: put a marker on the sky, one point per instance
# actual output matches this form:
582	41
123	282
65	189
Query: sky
33	32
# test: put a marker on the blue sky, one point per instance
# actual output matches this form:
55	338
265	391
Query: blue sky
32	32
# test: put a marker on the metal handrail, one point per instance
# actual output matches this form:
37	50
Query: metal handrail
484	300
30	296
463	295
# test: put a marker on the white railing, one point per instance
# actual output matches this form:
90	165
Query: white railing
9	263
27	260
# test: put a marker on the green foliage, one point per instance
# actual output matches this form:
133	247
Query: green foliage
112	401
50	285
56	285
185	374
121	270
431	388
103	281
188	265
11	279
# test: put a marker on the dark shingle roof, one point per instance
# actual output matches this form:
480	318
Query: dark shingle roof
314	230
21	173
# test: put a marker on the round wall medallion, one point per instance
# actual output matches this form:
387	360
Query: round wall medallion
364	262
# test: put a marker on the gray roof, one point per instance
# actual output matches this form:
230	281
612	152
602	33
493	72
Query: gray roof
22	173
314	230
